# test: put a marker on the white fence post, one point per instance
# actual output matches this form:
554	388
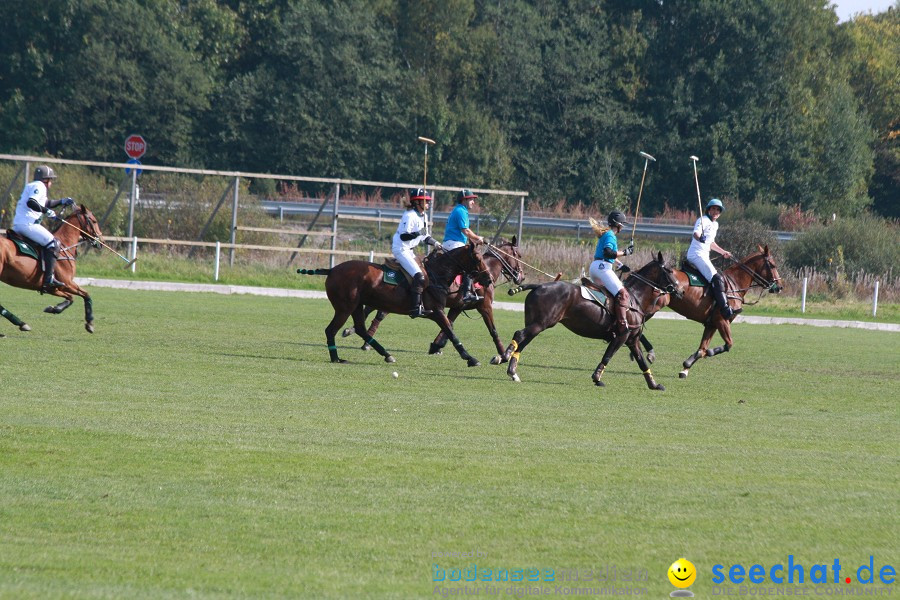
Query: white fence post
803	296
218	254
133	254
875	299
371	256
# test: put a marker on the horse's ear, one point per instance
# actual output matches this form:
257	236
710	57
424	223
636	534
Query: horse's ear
659	257
766	250
515	240
760	248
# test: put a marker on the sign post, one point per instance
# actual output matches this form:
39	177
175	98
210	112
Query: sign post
135	147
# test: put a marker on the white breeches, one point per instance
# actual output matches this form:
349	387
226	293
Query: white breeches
702	263
34	232
602	273
407	260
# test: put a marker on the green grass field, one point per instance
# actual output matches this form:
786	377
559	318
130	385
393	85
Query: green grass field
202	446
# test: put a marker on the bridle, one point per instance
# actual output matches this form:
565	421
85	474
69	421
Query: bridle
670	288
512	275
770	285
88	234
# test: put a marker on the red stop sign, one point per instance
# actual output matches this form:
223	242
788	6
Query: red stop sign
135	146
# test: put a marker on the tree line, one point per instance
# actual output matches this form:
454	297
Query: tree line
780	102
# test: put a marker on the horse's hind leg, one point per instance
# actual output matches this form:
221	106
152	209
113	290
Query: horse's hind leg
14	319
611	349
339	319
55	310
379	317
651	353
359	325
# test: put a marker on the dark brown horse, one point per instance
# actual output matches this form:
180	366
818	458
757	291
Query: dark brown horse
354	285
25	272
649	289
697	304
501	261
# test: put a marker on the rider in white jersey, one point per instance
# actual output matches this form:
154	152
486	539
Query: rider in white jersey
32	207
703	239
413	229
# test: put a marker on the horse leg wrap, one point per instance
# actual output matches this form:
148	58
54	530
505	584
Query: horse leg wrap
378	347
11	317
516	355
598	373
332	351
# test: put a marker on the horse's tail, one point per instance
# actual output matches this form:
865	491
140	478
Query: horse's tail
522	288
314	271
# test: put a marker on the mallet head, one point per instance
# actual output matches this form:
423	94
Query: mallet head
647	156
694	158
426	140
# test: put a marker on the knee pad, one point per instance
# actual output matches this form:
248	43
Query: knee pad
53	246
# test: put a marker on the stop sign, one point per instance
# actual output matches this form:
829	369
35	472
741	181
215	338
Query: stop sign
135	146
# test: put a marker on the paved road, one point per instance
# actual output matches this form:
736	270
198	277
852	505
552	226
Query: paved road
514	306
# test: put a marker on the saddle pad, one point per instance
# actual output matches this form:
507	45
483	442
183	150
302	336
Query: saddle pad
475	284
593	295
25	249
391	276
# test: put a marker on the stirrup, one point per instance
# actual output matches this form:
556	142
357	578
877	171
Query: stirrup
50	285
472	298
419	311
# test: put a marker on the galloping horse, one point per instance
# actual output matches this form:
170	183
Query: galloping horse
501	261
561	302
25	272
354	285
697	304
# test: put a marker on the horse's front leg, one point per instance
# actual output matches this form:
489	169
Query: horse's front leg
437	346
708	332
635	347
648	347
611	349
23	326
440	318
359	325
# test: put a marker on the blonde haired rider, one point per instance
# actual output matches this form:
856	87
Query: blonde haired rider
606	258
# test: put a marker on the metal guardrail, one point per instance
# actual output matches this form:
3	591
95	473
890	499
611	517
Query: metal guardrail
644	227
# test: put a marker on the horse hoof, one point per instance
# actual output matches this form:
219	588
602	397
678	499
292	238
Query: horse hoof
339	361
50	310
24	327
660	387
599	383
497	360
683	374
515	378
651	356
89	327
436	351
365	347
347	332
474	363
389	359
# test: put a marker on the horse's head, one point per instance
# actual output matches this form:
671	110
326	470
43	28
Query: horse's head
472	262
507	254
660	276
763	270
87	224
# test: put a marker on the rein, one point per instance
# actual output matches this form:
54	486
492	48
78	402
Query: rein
660	292
522	262
756	278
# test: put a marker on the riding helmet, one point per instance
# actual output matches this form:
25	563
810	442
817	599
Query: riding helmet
419	194
616	217
465	195
715	202
44	172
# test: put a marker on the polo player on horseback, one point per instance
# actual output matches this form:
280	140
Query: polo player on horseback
606	258
413	228
32	207
457	233
703	239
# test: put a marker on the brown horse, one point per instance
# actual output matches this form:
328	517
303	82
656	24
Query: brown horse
353	285
697	304
561	302
501	261
25	272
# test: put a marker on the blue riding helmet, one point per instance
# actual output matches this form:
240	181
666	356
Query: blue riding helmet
715	202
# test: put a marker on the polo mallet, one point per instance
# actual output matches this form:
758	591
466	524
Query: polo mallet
427	142
522	262
637	211
694	159
99	241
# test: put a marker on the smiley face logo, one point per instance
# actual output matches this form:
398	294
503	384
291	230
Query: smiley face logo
682	573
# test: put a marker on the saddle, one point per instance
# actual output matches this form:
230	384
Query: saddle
594	293
695	278
25	246
394	274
